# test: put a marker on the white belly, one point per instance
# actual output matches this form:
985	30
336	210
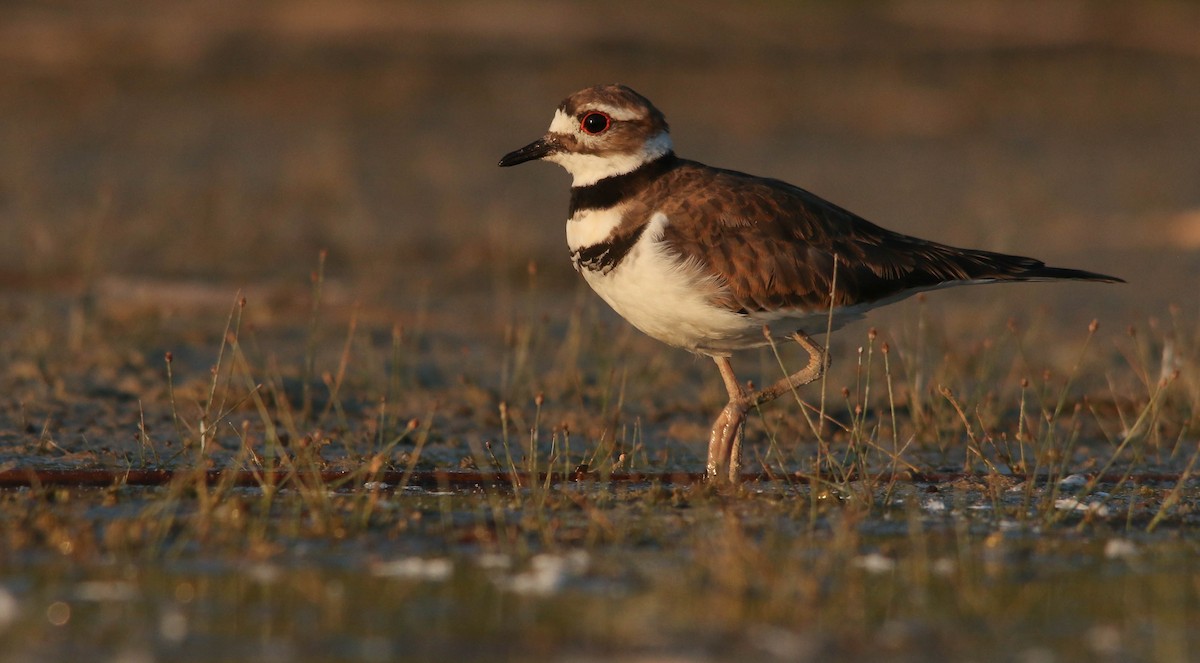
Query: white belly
671	300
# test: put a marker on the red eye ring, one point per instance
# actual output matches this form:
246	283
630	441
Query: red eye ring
595	123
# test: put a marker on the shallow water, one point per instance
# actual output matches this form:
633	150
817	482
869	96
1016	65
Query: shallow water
593	571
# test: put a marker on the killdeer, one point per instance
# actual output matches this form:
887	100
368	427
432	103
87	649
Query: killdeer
714	261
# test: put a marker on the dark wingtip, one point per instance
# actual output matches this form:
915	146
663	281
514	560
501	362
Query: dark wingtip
1071	274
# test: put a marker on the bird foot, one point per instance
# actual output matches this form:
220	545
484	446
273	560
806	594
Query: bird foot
724	444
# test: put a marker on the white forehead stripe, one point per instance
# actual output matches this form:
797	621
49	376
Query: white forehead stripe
562	123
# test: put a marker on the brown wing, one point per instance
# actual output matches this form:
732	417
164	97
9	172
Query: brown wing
774	245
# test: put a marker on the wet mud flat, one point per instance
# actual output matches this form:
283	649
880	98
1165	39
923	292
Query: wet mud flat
580	570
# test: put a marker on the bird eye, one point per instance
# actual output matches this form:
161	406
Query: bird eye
595	123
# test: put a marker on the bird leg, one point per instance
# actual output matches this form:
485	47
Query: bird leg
725	442
727	429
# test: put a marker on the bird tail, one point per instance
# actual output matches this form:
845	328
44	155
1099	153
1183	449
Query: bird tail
1044	273
990	266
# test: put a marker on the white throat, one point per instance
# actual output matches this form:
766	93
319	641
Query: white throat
588	169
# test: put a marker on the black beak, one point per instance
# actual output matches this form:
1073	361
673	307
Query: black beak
536	150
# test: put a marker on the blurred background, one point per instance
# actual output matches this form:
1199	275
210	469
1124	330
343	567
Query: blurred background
148	145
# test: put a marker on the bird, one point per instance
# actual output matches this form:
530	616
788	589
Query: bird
716	261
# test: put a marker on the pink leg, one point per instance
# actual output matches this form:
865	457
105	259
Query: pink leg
727	429
724	444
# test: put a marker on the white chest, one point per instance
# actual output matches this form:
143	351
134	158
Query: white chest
665	297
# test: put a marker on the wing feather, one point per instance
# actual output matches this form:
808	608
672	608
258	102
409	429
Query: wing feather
774	246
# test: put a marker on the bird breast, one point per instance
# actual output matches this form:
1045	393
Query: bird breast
664	295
